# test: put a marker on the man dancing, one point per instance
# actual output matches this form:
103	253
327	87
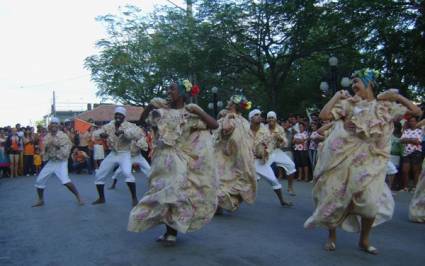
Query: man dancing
56	151
262	143
136	159
120	134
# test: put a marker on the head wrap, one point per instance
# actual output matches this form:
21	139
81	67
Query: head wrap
271	114
241	101
253	113
367	76
120	110
54	120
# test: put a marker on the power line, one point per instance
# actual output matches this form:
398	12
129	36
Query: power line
171	2
54	82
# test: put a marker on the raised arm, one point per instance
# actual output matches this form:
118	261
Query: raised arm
325	113
206	118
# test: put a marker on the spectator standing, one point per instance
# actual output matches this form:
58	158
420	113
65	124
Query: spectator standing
412	153
301	152
13	144
4	159
37	161
29	150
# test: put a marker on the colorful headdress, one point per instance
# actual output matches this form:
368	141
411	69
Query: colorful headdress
241	101
185	86
367	75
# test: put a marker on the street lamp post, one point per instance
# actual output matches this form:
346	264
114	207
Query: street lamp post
345	82
333	62
324	87
216	104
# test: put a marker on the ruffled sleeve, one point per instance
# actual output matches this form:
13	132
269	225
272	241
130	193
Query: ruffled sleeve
340	110
167	124
131	131
396	110
194	122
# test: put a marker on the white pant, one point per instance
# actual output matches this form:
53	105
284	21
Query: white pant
290	155
138	160
59	168
283	160
123	159
391	169
266	171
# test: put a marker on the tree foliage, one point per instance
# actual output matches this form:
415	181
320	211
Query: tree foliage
275	51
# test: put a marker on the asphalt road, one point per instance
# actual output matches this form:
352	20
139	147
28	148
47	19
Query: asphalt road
63	233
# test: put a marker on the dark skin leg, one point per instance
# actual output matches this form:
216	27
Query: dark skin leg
305	169
280	197
416	169
290	184
330	244
40	200
132	188
366	227
279	172
114	183
101	193
74	191
405	175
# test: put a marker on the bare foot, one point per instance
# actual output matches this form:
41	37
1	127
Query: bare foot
80	202
98	201
38	203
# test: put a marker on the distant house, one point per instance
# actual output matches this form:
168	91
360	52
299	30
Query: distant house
103	113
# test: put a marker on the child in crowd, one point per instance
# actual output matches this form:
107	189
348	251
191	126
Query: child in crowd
37	161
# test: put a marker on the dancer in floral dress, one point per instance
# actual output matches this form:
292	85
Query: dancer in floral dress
182	191
417	203
234	144
350	188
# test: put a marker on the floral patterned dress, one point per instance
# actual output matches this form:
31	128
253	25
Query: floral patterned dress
182	183
234	144
351	168
417	203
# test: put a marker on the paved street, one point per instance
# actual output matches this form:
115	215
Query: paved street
62	233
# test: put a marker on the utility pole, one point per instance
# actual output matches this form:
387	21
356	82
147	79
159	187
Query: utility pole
54	104
189	8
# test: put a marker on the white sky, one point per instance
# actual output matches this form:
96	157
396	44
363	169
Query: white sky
43	47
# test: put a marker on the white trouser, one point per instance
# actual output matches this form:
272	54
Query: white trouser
391	169
290	155
138	160
283	160
395	159
266	171
123	159
59	168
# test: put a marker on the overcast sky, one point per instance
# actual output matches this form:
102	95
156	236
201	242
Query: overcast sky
43	47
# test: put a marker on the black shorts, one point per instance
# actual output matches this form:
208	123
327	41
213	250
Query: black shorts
301	158
415	158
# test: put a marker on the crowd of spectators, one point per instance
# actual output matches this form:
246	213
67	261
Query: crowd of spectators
304	135
21	149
